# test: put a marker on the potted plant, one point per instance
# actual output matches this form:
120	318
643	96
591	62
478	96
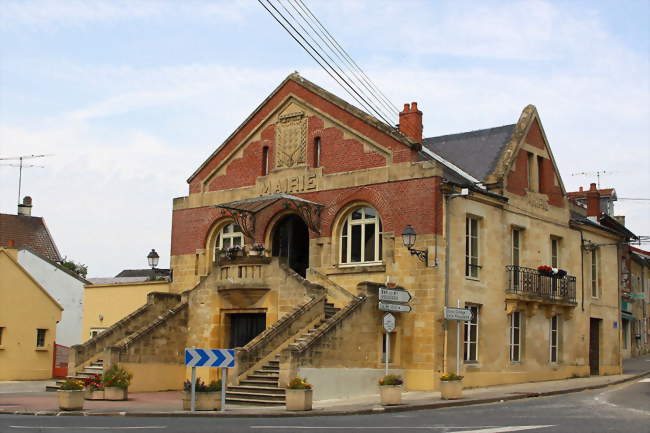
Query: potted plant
71	395
234	251
94	388
116	383
208	397
545	271
451	386
299	394
257	250
390	390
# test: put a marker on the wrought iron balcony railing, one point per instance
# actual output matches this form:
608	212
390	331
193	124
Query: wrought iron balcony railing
528	283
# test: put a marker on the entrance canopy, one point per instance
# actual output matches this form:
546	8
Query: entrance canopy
244	211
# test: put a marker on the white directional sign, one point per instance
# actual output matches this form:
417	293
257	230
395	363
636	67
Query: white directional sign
394	295
389	322
398	308
209	357
457	314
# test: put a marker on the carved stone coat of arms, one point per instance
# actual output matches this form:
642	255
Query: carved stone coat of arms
291	140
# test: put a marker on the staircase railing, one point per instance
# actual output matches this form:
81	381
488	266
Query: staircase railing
273	337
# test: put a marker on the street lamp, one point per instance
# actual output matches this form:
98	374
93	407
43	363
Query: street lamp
153	258
408	237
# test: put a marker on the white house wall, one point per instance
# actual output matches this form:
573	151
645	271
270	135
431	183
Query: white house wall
67	290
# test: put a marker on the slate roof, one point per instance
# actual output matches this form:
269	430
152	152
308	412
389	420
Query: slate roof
120	280
30	232
475	152
142	273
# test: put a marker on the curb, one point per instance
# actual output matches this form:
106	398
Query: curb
443	404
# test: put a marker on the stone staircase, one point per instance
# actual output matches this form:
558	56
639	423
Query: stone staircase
260	388
96	367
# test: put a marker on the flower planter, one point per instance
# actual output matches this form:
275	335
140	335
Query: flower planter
299	399
71	400
204	400
390	394
97	394
451	389
115	393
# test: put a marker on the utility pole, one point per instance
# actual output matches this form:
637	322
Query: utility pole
20	166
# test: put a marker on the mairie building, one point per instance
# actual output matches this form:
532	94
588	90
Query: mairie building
292	227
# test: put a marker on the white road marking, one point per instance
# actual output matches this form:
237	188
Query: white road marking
491	429
30	427
644	380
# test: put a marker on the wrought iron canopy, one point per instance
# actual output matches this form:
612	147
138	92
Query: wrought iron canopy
244	211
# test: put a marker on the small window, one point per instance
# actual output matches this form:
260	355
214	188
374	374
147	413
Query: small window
471	248
40	337
361	237
594	273
265	160
516	246
1	332
471	336
540	170
317	152
531	159
229	236
554	339
555	253
391	352
515	336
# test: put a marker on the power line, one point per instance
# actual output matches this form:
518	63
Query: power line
329	69
336	48
374	108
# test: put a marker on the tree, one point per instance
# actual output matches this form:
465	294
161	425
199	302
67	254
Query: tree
78	268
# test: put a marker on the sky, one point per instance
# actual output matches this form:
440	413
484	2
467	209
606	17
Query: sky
130	97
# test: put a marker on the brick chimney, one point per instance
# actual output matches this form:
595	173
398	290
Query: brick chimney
25	209
593	201
410	122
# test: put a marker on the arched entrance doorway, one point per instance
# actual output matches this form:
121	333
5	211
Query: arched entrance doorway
291	240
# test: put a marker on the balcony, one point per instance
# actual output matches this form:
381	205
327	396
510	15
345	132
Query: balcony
527	284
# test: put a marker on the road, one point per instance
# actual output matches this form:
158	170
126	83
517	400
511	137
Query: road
624	408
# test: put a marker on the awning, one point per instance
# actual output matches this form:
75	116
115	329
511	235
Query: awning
244	211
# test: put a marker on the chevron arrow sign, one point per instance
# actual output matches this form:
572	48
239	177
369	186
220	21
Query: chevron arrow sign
210	357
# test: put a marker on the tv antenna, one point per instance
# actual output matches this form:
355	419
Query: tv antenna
595	173
20	165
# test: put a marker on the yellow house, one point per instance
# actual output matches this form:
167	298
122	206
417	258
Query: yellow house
28	318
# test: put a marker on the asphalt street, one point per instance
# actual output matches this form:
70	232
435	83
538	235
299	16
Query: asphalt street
624	408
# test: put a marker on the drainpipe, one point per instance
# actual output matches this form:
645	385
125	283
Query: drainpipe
582	268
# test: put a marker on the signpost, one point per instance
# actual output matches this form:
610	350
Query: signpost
459	315
389	326
392	295
398	308
222	358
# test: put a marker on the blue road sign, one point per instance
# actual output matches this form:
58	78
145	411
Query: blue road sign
210	357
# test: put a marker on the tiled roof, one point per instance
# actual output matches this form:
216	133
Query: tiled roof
605	192
142	273
30	232
475	152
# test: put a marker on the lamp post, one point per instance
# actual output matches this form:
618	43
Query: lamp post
408	237
153	258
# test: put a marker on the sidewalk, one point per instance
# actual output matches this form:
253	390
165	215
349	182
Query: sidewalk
169	403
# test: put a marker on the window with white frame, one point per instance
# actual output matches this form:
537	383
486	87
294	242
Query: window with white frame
361	237
594	273
471	335
229	236
516	245
555	253
471	247
554	339
515	336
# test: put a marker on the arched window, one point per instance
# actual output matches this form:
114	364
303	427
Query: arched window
361	237
229	236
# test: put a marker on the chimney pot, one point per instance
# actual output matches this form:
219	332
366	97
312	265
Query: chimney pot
593	201
25	208
581	189
11	243
410	122
592	187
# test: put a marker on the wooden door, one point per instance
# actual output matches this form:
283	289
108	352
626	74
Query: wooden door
594	347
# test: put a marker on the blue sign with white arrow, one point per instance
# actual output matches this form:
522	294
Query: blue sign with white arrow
210	357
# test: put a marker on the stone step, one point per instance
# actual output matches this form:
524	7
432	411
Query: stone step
255	396
263	377
259	383
271	367
267	373
255	389
254	402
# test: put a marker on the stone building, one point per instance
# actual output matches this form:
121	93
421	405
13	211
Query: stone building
327	191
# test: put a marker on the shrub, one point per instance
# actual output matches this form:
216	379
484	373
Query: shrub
201	386
72	385
450	376
299	383
391	379
117	376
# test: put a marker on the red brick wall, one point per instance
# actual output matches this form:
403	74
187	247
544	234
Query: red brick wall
535	137
517	182
401	152
417	202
